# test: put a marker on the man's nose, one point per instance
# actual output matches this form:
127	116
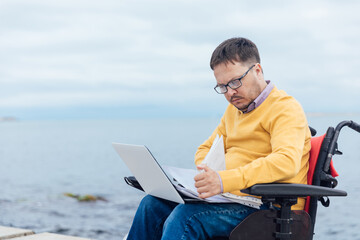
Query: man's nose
231	91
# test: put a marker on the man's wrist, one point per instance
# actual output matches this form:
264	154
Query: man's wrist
221	184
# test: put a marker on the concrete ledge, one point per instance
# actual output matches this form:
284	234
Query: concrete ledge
24	234
10	232
49	236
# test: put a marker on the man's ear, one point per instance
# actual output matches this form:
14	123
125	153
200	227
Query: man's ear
258	68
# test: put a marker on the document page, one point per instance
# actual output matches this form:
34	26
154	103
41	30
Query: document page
215	159
184	182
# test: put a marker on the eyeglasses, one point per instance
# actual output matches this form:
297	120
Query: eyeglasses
233	84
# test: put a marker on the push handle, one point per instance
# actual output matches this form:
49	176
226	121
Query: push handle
332	148
355	126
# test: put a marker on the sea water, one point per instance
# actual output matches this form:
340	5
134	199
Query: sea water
42	160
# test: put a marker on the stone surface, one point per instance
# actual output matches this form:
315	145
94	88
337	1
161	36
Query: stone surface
10	232
49	236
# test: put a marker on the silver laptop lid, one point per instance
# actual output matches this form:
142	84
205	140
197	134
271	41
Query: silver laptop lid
147	171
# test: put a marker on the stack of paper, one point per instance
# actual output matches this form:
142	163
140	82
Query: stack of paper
184	182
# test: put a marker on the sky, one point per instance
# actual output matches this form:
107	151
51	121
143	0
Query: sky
74	59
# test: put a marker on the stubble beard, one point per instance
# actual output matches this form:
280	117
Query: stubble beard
241	108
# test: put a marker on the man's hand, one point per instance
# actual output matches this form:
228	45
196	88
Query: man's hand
207	183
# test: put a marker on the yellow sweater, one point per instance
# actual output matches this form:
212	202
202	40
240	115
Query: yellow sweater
269	144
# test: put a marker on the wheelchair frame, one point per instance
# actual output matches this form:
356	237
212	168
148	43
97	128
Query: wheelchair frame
283	221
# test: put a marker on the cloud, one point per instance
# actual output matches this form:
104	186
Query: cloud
66	53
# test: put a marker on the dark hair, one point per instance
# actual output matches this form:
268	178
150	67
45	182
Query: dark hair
235	49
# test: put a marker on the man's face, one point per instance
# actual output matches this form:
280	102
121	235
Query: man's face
252	84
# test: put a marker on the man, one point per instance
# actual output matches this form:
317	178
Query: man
266	139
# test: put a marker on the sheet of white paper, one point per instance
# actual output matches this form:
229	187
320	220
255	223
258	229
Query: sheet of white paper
215	159
185	177
208	155
206	159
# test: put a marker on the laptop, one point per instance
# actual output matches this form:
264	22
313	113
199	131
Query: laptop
148	172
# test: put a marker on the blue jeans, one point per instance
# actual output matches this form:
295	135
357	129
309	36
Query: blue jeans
161	219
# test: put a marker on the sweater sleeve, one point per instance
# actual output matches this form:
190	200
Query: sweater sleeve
288	131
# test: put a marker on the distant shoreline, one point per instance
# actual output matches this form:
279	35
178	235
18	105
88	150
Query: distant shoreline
7	119
329	114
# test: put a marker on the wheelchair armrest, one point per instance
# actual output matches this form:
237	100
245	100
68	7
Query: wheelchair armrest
292	190
286	195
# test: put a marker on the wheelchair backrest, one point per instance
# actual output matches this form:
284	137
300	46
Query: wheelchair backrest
318	174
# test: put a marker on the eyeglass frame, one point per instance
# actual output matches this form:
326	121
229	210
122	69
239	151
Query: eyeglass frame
237	79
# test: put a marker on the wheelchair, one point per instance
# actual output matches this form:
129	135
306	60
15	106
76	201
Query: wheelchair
281	222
